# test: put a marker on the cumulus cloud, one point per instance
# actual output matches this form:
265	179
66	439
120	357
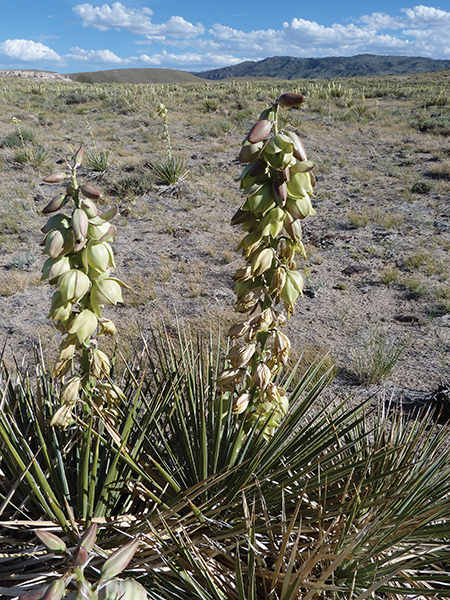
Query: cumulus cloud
28	51
97	57
427	16
179	43
189	60
136	21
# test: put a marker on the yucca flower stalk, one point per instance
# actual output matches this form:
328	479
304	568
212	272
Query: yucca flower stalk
79	266
277	184
107	587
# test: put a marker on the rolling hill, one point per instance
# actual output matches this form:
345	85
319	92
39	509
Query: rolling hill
287	67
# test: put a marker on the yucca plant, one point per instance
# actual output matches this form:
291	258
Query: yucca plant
340	503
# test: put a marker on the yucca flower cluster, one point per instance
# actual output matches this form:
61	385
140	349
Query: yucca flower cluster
79	264
277	184
107	587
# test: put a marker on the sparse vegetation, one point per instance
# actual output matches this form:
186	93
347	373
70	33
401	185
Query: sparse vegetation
348	498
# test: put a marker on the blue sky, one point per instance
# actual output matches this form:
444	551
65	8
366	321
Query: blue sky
195	35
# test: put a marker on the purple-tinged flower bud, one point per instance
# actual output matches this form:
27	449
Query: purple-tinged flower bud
260	131
79	224
55	204
119	560
290	99
80	556
51	541
54	178
55	591
280	191
299	149
87	540
90	191
78	158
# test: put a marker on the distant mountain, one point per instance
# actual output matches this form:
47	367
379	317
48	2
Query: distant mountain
135	76
287	67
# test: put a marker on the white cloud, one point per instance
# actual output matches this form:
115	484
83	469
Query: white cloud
28	51
177	43
135	21
380	21
97	56
427	16
189	60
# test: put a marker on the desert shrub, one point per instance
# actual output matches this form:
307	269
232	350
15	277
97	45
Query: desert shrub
16	139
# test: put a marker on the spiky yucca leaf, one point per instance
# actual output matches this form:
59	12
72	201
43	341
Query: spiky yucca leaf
339	508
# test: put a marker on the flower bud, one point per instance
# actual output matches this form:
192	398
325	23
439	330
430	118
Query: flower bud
100	365
105	291
90	191
261	376
87	540
79	224
55	204
70	391
51	541
54	178
78	158
260	131
119	560
299	148
80	556
280	191
241	403
290	99
55	591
